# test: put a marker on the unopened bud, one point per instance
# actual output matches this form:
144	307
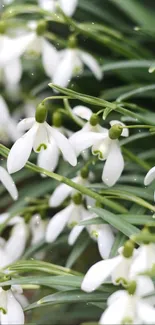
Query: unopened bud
132	287
115	132
84	172
2	27
57	119
94	120
41	27
77	198
128	249
72	42
41	113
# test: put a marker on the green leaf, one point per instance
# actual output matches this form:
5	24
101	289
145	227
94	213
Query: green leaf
120	239
72	296
39	266
117	222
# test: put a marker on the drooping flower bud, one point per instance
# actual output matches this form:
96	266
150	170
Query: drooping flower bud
128	249
2	27
84	172
94	120
41	27
115	131
132	287
57	119
72	42
77	198
41	113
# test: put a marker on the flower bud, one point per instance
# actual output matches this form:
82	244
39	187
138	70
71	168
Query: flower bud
94	120
115	132
132	287
128	249
57	119
77	198
41	27
2	27
41	113
72	42
84	172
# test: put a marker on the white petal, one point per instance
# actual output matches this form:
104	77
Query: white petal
98	273
42	138
13	71
57	224
4	111
26	124
61	193
82	111
8	182
49	58
37	227
64	71
116	295
105	240
115	313
74	234
122	270
12	129
83	140
23	301
13	48
18	235
20	151
68	6
92	64
64	146
146	312
47	4
150	176
114	165
15	314
125	131
145	286
49	158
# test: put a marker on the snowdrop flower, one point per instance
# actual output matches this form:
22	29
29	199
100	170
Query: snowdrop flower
18	294
39	137
8	183
49	158
68	6
8	125
37	229
117	267
144	260
11	311
71	62
104	144
128	307
71	215
149	178
31	42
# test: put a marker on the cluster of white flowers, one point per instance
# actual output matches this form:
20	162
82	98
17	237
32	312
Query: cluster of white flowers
134	304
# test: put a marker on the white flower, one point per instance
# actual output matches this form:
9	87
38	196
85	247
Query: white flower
11	311
125	308
8	125
70	216
68	6
144	260
8	183
49	158
104	236
102	146
37	229
62	191
14	48
150	176
71	63
117	267
38	137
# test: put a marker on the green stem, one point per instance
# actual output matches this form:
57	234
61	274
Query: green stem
113	205
75	118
